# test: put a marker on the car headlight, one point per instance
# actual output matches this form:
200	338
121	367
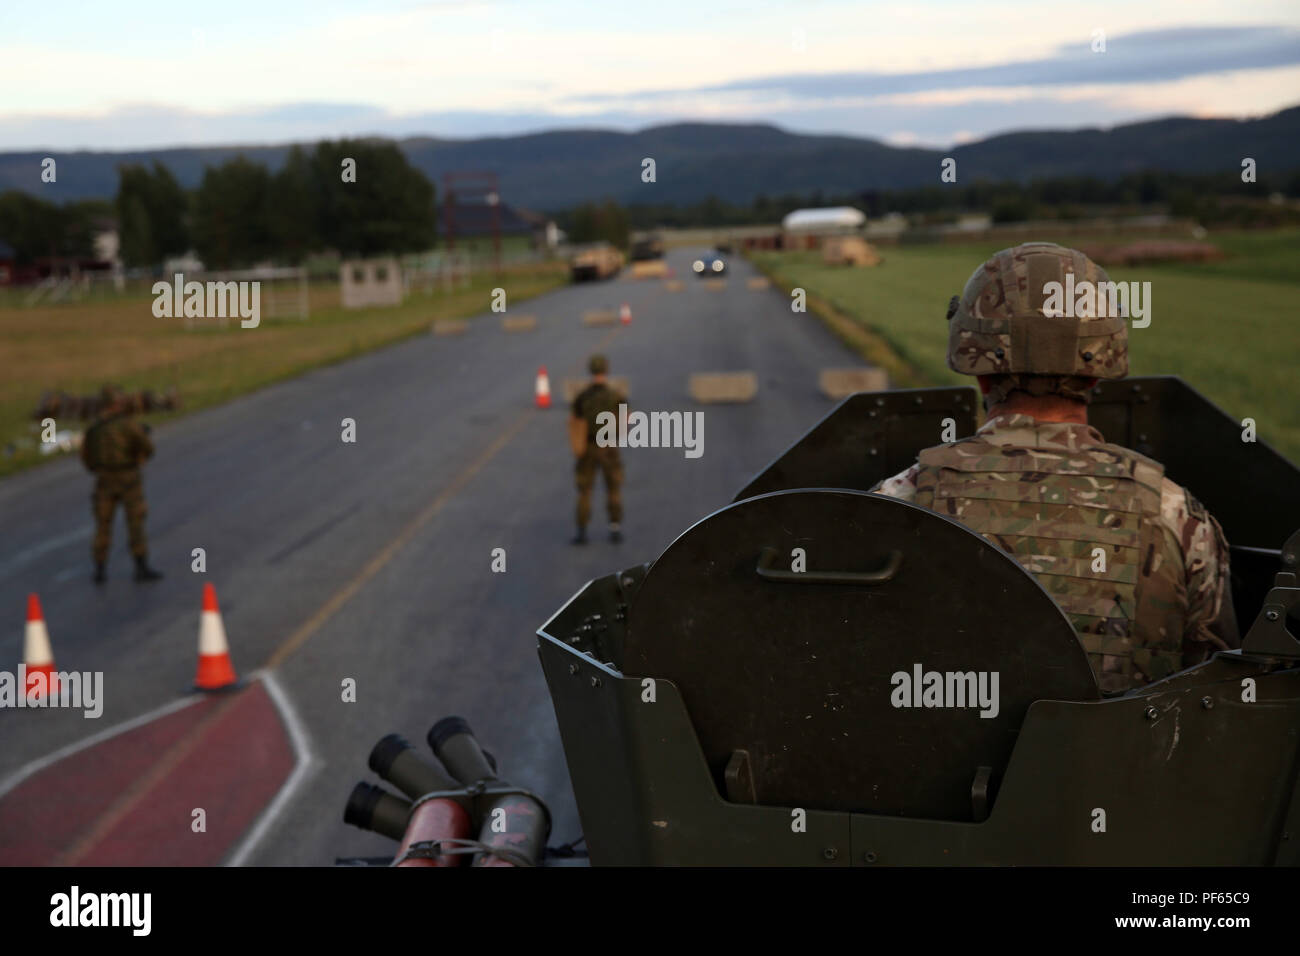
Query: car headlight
698	265
718	265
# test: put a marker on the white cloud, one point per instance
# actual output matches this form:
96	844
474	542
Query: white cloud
574	62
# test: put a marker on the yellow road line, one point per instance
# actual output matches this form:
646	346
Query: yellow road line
178	751
129	799
376	564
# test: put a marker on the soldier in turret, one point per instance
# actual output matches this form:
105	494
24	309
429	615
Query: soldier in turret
1137	564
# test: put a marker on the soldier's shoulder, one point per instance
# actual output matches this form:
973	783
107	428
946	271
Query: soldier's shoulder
114	427
1137	456
1177	504
973	448
128	425
1146	471
1189	520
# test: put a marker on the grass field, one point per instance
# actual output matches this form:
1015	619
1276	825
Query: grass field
77	347
1228	328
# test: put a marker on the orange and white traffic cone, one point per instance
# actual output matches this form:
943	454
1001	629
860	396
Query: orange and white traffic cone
215	670
543	388
625	314
38	658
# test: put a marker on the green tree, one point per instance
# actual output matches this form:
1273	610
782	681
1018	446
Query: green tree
30	225
152	211
136	244
606	222
390	208
293	210
38	229
232	220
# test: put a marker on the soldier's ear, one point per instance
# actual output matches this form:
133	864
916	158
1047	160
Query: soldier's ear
952	307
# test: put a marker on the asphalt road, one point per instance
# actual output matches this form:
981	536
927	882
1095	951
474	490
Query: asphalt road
372	560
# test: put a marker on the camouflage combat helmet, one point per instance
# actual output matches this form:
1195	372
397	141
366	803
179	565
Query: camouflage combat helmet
598	364
1010	323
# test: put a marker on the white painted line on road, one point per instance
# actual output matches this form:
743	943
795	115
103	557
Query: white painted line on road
41	763
305	766
24	557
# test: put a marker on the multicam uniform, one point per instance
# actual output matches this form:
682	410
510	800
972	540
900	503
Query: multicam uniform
590	402
1052	493
114	448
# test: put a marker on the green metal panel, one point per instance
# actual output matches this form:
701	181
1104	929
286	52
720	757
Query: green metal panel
866	438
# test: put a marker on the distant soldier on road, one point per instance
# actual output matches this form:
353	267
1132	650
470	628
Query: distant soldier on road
114	448
597	397
1137	564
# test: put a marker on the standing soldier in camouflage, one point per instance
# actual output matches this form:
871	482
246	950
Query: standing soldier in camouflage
1137	564
114	448
597	397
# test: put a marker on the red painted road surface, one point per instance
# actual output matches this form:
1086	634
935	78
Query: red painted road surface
129	801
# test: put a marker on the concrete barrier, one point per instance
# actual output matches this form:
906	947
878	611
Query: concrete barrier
649	269
519	323
599	317
449	326
711	387
840	383
572	386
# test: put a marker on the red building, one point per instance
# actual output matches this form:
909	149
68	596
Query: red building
7	269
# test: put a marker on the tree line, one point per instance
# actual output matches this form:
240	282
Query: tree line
597	222
241	213
1212	199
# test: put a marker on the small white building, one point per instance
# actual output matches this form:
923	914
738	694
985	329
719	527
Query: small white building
187	263
364	283
830	221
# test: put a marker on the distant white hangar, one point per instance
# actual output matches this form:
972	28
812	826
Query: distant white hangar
834	220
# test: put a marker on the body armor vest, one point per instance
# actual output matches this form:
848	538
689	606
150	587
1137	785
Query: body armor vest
109	446
591	402
1086	523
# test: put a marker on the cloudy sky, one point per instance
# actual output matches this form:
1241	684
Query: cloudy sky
140	73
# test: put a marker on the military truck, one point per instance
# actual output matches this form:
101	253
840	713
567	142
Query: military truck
647	257
647	247
816	675
820	676
596	261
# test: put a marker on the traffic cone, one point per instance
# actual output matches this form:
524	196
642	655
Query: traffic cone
37	656
215	670
625	314
543	388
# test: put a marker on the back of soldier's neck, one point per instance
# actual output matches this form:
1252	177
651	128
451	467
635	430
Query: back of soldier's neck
1043	408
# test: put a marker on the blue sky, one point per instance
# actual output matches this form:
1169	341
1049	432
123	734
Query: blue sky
148	74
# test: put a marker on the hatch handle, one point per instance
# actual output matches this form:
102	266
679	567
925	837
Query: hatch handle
768	571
